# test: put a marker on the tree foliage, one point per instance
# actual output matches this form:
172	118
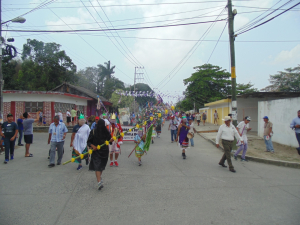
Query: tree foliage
45	66
285	81
208	84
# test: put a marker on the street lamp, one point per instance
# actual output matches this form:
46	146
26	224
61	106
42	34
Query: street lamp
15	20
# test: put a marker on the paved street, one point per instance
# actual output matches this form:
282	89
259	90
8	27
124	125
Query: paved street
165	190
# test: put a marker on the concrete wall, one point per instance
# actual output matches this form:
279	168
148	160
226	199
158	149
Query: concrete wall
280	113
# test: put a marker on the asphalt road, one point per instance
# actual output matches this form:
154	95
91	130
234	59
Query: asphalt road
165	190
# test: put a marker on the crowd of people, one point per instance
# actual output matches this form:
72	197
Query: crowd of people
108	130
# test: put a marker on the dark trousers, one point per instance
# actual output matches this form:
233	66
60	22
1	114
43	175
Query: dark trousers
227	145
9	147
20	137
298	138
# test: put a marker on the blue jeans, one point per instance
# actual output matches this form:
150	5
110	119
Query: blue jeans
20	136
269	144
298	138
192	141
9	147
173	133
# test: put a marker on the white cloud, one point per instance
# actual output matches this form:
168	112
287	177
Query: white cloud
288	57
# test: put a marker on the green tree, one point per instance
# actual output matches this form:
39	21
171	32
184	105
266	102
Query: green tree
87	78
45	66
285	81
245	88
209	83
121	101
110	85
142	87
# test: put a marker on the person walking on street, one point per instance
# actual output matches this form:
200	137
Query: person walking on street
73	114
20	126
198	118
243	128
173	127
227	132
182	132
204	118
57	135
268	132
216	117
295	124
68	114
79	138
99	156
192	130
95	123
10	132
28	131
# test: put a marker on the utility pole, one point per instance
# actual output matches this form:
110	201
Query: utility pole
137	76
231	15
15	20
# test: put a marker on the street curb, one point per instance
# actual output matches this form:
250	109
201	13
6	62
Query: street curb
260	160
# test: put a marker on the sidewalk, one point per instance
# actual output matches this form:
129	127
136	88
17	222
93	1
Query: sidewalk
256	145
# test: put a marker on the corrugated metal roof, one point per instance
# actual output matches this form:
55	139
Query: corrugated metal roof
83	90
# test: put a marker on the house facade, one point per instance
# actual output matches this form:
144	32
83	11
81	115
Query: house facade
62	98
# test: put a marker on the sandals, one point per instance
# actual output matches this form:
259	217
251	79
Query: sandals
30	155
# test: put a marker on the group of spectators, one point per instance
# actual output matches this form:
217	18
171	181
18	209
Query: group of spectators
10	130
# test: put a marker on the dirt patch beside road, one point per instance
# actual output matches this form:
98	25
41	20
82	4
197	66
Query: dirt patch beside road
257	148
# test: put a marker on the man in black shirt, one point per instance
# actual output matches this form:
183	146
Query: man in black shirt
10	131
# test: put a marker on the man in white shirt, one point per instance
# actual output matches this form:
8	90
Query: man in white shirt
192	130
243	128
60	116
125	119
226	133
198	118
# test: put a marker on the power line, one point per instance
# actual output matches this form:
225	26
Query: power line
269	19
130	60
135	59
88	43
253	22
61	2
100	30
188	55
140	4
217	42
43	4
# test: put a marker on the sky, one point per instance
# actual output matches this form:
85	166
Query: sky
167	54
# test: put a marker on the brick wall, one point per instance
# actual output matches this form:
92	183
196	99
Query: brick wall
6	110
20	109
47	112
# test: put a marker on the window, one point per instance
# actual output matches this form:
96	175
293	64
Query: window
33	106
63	107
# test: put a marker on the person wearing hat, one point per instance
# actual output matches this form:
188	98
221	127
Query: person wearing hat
79	138
140	140
268	132
107	123
173	127
243	128
295	124
28	131
95	123
10	132
115	130
227	132
57	136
